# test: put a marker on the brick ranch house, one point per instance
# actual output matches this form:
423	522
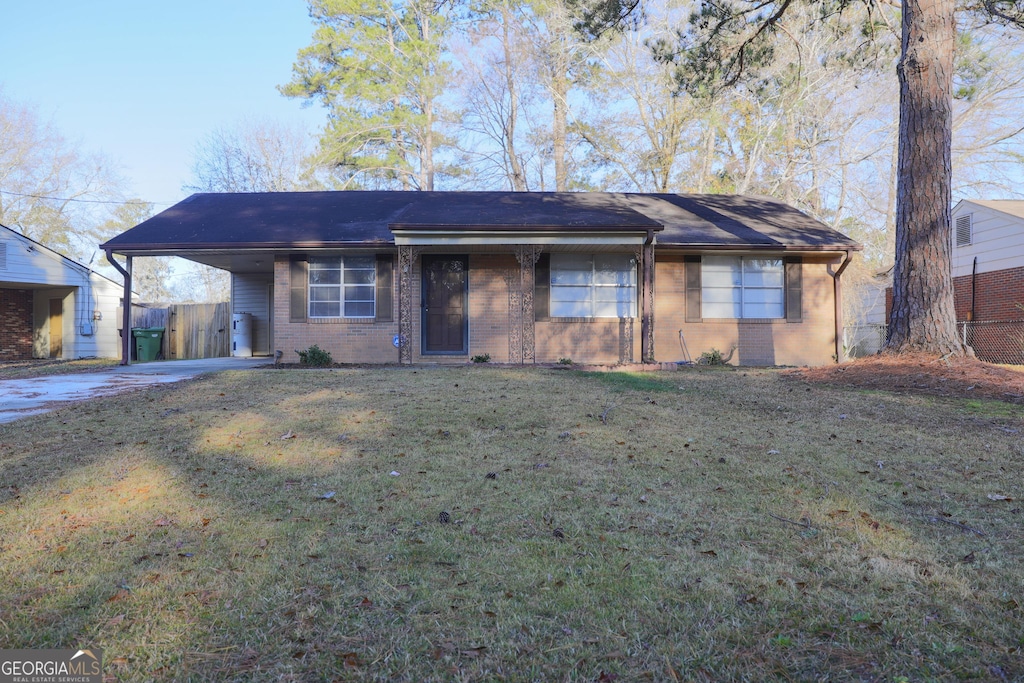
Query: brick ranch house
426	277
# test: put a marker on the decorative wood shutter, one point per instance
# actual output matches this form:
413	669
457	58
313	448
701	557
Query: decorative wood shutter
692	266
298	281
794	289
385	288
542	288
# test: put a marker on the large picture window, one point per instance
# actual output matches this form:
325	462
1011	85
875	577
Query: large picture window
742	287
593	286
342	287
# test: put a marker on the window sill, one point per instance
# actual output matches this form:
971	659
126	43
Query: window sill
751	321
341	321
585	320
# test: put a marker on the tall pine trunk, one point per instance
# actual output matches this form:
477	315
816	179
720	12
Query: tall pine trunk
923	317
560	127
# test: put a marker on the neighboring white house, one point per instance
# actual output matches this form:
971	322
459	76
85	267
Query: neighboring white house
988	277
991	231
52	306
988	259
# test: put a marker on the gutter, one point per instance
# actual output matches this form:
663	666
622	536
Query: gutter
838	298
126	307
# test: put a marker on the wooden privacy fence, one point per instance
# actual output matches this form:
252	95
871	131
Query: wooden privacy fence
190	330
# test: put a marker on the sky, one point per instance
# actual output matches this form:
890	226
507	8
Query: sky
144	82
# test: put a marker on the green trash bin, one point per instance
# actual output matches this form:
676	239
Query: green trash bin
147	342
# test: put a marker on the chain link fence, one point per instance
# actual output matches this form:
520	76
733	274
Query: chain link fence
863	340
993	341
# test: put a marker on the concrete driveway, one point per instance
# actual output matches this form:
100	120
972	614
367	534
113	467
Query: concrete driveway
23	397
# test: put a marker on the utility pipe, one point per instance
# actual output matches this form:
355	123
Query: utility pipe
838	298
974	284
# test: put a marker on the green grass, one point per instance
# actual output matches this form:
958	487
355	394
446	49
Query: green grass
695	525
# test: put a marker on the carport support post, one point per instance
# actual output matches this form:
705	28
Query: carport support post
647	300
126	307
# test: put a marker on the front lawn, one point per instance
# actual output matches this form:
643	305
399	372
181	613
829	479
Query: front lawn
694	525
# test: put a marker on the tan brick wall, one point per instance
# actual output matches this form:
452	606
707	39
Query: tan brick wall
489	279
811	342
589	341
348	341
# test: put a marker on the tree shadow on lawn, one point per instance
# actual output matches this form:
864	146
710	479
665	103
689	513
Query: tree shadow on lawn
194	540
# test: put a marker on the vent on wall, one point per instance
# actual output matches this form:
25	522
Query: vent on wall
963	230
3	256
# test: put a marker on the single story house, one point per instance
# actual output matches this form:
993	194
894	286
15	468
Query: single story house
52	306
413	277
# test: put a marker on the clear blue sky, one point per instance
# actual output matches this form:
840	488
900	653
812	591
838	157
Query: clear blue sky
144	82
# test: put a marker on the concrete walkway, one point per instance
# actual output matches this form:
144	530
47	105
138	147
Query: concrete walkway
23	397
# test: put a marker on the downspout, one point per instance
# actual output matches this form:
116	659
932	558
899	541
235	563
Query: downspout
647	314
126	308
974	284
838	298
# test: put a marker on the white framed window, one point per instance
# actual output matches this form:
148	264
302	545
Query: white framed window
593	286
342	287
742	287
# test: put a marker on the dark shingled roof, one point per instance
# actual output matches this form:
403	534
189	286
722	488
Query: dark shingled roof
325	219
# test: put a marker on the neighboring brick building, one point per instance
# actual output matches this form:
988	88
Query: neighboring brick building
385	277
988	276
15	324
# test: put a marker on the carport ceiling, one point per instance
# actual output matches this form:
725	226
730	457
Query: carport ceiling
232	261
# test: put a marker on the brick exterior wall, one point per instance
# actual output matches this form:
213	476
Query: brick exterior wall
770	342
490	276
810	342
16	324
996	295
348	341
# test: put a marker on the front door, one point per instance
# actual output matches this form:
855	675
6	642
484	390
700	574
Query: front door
56	328
445	287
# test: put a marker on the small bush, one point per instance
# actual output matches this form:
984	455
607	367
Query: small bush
482	358
565	361
712	357
315	357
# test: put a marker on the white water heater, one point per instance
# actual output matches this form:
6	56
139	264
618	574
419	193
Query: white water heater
241	334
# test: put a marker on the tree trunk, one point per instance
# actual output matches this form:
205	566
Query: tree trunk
517	176
923	317
427	150
560	127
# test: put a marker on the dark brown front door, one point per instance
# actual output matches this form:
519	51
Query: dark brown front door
444	304
56	328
